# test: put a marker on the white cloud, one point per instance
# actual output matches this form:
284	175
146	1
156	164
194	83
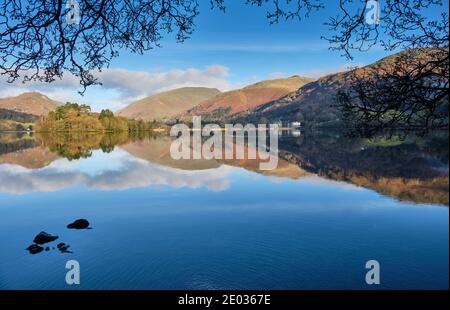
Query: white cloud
141	83
121	86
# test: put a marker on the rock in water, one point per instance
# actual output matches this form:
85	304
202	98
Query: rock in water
35	249
64	248
44	237
79	224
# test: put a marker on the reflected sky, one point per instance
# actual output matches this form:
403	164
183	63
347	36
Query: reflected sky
106	171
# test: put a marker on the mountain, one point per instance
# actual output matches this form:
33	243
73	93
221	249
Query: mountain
32	103
311	103
168	104
314	102
236	101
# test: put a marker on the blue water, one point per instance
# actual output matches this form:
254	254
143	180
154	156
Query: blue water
158	227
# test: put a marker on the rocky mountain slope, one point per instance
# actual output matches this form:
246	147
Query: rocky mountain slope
237	101
314	103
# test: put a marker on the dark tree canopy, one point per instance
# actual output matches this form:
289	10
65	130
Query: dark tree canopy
39	41
42	40
407	91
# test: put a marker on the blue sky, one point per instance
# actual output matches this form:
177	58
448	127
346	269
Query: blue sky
242	39
227	50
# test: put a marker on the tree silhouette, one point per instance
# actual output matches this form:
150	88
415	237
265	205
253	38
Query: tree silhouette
407	91
41	39
411	90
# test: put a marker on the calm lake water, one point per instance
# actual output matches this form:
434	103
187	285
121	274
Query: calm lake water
331	205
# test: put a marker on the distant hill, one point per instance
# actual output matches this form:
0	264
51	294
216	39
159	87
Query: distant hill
236	101
168	104
32	103
314	102
17	116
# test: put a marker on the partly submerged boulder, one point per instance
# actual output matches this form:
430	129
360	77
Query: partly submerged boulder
44	237
79	224
35	249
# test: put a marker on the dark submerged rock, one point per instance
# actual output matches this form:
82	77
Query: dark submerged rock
35	249
44	237
79	224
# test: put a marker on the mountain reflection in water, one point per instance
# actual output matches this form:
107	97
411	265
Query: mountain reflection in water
414	169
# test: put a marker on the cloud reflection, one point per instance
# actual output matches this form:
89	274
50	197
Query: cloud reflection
130	173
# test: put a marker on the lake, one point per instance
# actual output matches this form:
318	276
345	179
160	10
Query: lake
332	204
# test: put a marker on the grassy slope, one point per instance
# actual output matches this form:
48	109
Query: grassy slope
168	104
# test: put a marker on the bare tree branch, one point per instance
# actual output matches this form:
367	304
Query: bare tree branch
37	43
407	92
